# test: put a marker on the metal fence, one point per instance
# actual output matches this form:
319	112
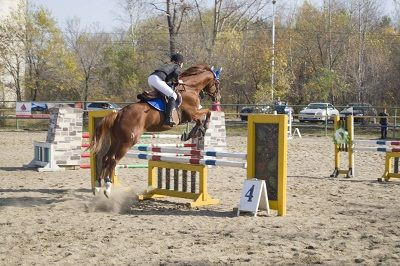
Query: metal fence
234	118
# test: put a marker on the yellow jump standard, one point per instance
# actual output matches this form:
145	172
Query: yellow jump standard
267	156
161	187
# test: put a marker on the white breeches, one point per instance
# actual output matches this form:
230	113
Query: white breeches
160	85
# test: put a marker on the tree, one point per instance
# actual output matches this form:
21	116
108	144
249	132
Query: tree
119	74
226	14
321	38
175	11
12	50
51	70
133	12
87	44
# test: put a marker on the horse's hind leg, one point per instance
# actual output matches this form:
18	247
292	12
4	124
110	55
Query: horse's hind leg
103	172
105	165
110	167
99	177
123	148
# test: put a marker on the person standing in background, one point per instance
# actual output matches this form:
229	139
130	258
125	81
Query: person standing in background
383	121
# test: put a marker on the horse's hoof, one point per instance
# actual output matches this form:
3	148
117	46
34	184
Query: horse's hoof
184	136
107	190
97	188
202	132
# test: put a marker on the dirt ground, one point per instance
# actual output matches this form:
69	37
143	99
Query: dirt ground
53	218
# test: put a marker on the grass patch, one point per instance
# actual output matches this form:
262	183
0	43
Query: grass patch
24	124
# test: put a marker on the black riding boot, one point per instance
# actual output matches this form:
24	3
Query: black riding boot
168	112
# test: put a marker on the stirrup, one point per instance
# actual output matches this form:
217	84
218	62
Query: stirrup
169	122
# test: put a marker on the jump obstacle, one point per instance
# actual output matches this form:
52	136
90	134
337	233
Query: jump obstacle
292	132
63	142
180	166
170	153
65	146
170	175
391	149
151	136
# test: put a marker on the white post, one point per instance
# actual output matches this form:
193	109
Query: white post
290	126
273	51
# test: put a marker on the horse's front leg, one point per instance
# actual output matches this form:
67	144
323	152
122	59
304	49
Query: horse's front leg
199	115
207	120
202	127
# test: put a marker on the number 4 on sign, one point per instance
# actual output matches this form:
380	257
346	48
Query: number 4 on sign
254	197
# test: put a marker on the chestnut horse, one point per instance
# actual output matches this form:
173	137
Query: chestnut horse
119	131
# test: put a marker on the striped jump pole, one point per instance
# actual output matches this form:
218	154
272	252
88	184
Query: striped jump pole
144	156
376	142
392	155
131	166
390	148
119	166
85	136
160	136
378	149
192	152
142	147
176	145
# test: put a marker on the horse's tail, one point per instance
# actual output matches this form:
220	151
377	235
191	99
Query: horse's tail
102	133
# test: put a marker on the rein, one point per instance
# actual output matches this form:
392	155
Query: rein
216	84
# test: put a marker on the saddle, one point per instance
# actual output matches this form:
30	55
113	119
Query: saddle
149	95
158	101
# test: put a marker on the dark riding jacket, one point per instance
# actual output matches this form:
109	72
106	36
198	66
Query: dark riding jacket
168	73
383	120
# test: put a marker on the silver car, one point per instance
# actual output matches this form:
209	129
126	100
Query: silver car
102	106
318	112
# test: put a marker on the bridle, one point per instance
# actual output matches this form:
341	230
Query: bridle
212	95
216	84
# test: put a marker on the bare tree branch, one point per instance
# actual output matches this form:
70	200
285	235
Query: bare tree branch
159	9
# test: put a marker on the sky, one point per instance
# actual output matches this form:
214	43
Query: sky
105	12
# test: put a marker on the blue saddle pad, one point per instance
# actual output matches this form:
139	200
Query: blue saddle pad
157	103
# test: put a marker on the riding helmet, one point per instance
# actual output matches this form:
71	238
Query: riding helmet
177	58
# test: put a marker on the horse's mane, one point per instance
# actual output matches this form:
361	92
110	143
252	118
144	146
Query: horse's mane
194	70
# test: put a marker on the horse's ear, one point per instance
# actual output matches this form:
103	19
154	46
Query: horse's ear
218	73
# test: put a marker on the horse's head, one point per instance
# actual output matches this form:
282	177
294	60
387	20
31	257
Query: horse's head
205	79
213	88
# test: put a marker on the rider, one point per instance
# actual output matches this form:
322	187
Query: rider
162	78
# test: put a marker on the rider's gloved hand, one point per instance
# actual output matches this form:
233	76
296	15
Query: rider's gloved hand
202	94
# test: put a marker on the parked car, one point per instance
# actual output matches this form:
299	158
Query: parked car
284	108
318	112
39	107
101	106
245	111
358	110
